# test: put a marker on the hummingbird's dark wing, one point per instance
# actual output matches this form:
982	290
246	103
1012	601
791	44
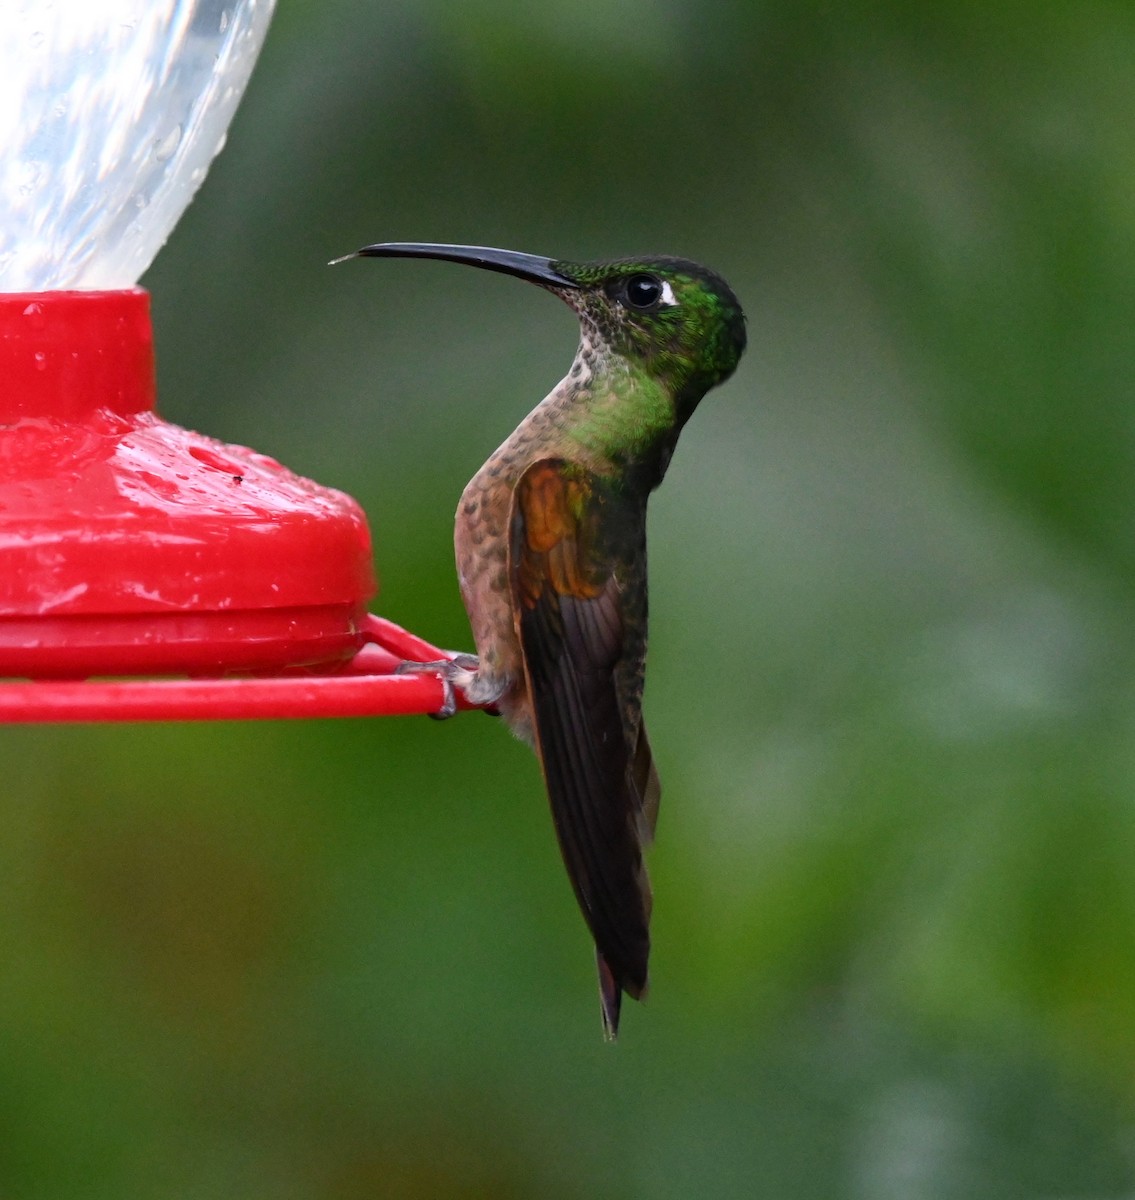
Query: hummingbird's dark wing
577	566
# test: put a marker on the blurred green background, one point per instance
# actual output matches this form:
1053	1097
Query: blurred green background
891	680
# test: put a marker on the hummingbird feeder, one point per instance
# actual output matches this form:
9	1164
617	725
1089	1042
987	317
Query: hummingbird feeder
148	572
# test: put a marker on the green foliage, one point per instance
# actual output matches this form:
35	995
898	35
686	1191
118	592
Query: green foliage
890	684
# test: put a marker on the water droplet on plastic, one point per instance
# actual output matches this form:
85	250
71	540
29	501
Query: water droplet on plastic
32	176
163	150
224	20
40	361
37	39
220	144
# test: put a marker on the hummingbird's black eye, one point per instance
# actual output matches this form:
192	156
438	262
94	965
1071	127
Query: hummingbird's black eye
643	291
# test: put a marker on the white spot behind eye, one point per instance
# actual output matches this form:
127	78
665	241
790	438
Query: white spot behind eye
668	298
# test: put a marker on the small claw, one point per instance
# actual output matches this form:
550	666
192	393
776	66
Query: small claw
449	704
418	668
451	671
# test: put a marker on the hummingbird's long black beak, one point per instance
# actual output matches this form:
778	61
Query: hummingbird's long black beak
508	262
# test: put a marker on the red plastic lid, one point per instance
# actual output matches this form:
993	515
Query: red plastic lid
130	545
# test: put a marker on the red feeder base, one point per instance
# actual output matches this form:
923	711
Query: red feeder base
130	546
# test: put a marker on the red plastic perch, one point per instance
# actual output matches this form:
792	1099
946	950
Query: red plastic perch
366	687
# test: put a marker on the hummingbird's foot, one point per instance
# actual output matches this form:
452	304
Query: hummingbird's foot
457	672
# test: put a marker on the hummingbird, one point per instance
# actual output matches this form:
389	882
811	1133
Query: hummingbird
550	543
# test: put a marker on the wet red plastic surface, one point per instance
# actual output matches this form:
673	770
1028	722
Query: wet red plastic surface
131	546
